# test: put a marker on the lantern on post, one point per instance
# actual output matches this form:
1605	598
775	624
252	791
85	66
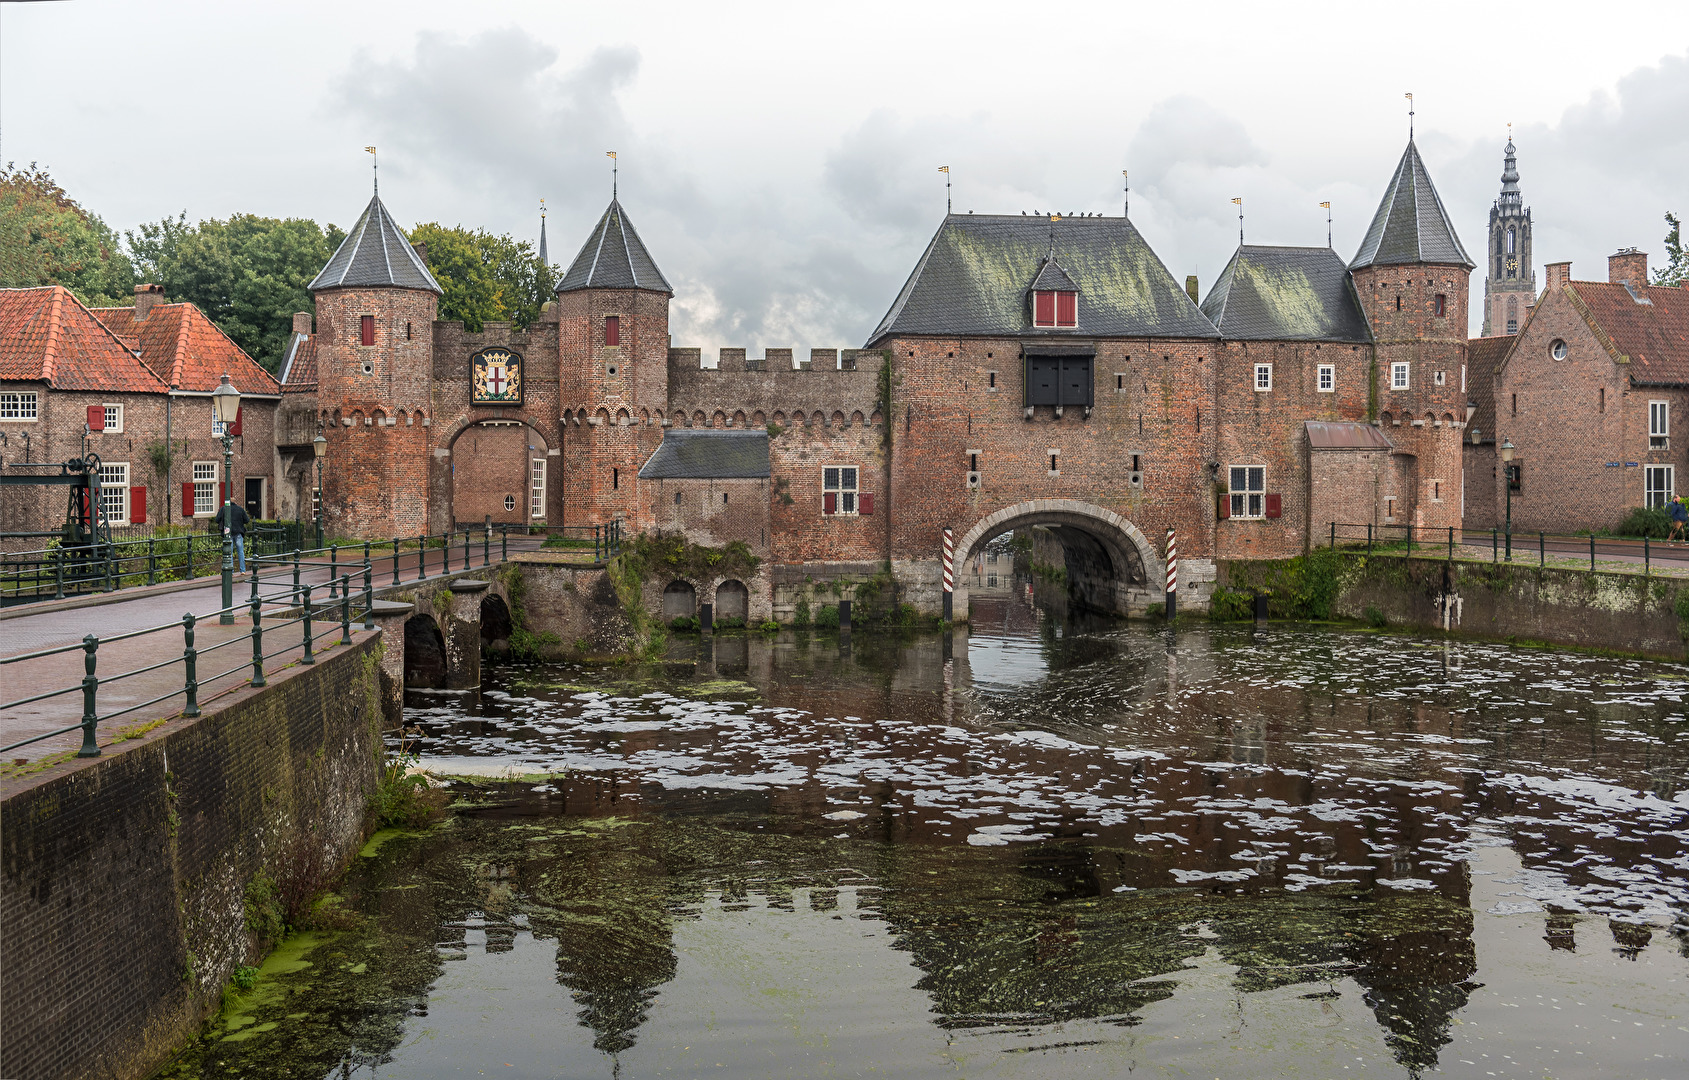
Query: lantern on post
225	410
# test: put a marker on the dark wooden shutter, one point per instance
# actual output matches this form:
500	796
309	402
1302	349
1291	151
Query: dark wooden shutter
366	330
138	505
96	418
1044	308
1274	509
865	503
187	500
1067	309
613	330
234	429
830	502
1223	508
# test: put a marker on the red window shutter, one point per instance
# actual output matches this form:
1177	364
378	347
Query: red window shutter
830	502
1067	309
138	505
865	503
222	493
1044	309
1223	508
1273	507
96	418
235	429
613	330
366	330
187	500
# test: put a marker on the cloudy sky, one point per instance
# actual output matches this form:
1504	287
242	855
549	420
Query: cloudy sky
781	159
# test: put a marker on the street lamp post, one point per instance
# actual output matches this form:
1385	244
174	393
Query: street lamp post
319	447
225	405
1507	449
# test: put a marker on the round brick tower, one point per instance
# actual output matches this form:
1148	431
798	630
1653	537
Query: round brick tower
613	339
376	303
1412	276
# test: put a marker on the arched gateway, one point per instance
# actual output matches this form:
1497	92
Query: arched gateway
1111	565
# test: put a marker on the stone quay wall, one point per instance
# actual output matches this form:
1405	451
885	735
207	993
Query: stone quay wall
125	876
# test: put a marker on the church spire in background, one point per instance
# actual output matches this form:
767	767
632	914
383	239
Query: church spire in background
544	260
1509	279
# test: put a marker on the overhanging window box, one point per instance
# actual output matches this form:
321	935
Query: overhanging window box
1061	376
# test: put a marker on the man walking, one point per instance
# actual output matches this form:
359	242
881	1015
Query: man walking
232	517
1679	518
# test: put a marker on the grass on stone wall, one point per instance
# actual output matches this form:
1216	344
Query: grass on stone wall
1305	587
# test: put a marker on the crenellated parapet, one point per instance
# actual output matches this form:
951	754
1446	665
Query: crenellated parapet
831	387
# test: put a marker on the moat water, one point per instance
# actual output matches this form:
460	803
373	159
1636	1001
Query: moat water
1038	849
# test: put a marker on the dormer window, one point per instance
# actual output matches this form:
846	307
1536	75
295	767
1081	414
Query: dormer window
1055	308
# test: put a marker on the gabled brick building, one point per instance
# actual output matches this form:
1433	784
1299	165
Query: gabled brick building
1593	392
149	371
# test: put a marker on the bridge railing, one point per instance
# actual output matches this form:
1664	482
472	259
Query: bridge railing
1578	551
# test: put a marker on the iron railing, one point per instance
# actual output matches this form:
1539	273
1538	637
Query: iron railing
1570	550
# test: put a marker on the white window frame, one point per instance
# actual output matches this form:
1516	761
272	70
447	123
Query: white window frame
536	488
1327	378
205	489
1401	376
20	406
114	418
1248	491
1659	425
1263	378
114	492
1652	493
847	503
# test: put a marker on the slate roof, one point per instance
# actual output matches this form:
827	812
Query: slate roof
46	335
1483	360
1411	225
1345	435
1052	276
708	454
1286	294
1650	325
299	365
973	278
375	254
614	257
186	350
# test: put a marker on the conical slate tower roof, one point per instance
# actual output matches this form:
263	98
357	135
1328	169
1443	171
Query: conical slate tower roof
1411	225
614	257
375	254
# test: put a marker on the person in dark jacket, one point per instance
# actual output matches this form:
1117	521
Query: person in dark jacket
1679	518
232	517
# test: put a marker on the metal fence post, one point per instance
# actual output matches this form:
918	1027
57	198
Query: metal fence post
504	543
305	615
1369	540
90	694
366	552
1542	550
1645	557
1451	543
190	660
346	609
1592	551
58	574
296	570
466	548
595	555
257	635
395	560
191	573
422	557
1495	549
152	562
486	546
369	596
333	560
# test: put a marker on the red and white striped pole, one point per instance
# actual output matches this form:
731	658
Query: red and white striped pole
1172	576
949	572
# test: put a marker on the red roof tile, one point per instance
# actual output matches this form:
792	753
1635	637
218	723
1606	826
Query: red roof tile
185	349
299	367
47	335
1650	326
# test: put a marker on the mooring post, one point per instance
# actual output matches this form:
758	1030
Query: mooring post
949	572
1172	608
305	616
190	660
90	695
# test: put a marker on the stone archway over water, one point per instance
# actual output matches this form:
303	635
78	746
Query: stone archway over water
1112	565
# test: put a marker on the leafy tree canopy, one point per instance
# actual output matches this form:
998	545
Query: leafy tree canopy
47	238
484	277
249	273
1676	269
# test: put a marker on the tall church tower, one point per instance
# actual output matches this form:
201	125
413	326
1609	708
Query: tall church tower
1510	282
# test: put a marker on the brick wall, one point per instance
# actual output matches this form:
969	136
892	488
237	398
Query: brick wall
125	874
1344	488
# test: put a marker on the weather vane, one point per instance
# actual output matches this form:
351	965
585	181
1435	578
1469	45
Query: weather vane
1409	116
1327	223
945	169
1238	202
374	169
1125	194
614	165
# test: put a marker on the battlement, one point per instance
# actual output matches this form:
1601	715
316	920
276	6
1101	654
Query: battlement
733	358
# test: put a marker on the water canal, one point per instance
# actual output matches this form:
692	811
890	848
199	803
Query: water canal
1038	849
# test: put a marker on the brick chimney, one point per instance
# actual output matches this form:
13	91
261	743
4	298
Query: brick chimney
1559	276
1628	265
147	297
1190	288
302	322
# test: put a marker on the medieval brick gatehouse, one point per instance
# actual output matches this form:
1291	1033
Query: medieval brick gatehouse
1033	370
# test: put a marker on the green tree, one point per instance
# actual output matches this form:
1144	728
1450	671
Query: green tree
485	277
1676	269
47	238
249	273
